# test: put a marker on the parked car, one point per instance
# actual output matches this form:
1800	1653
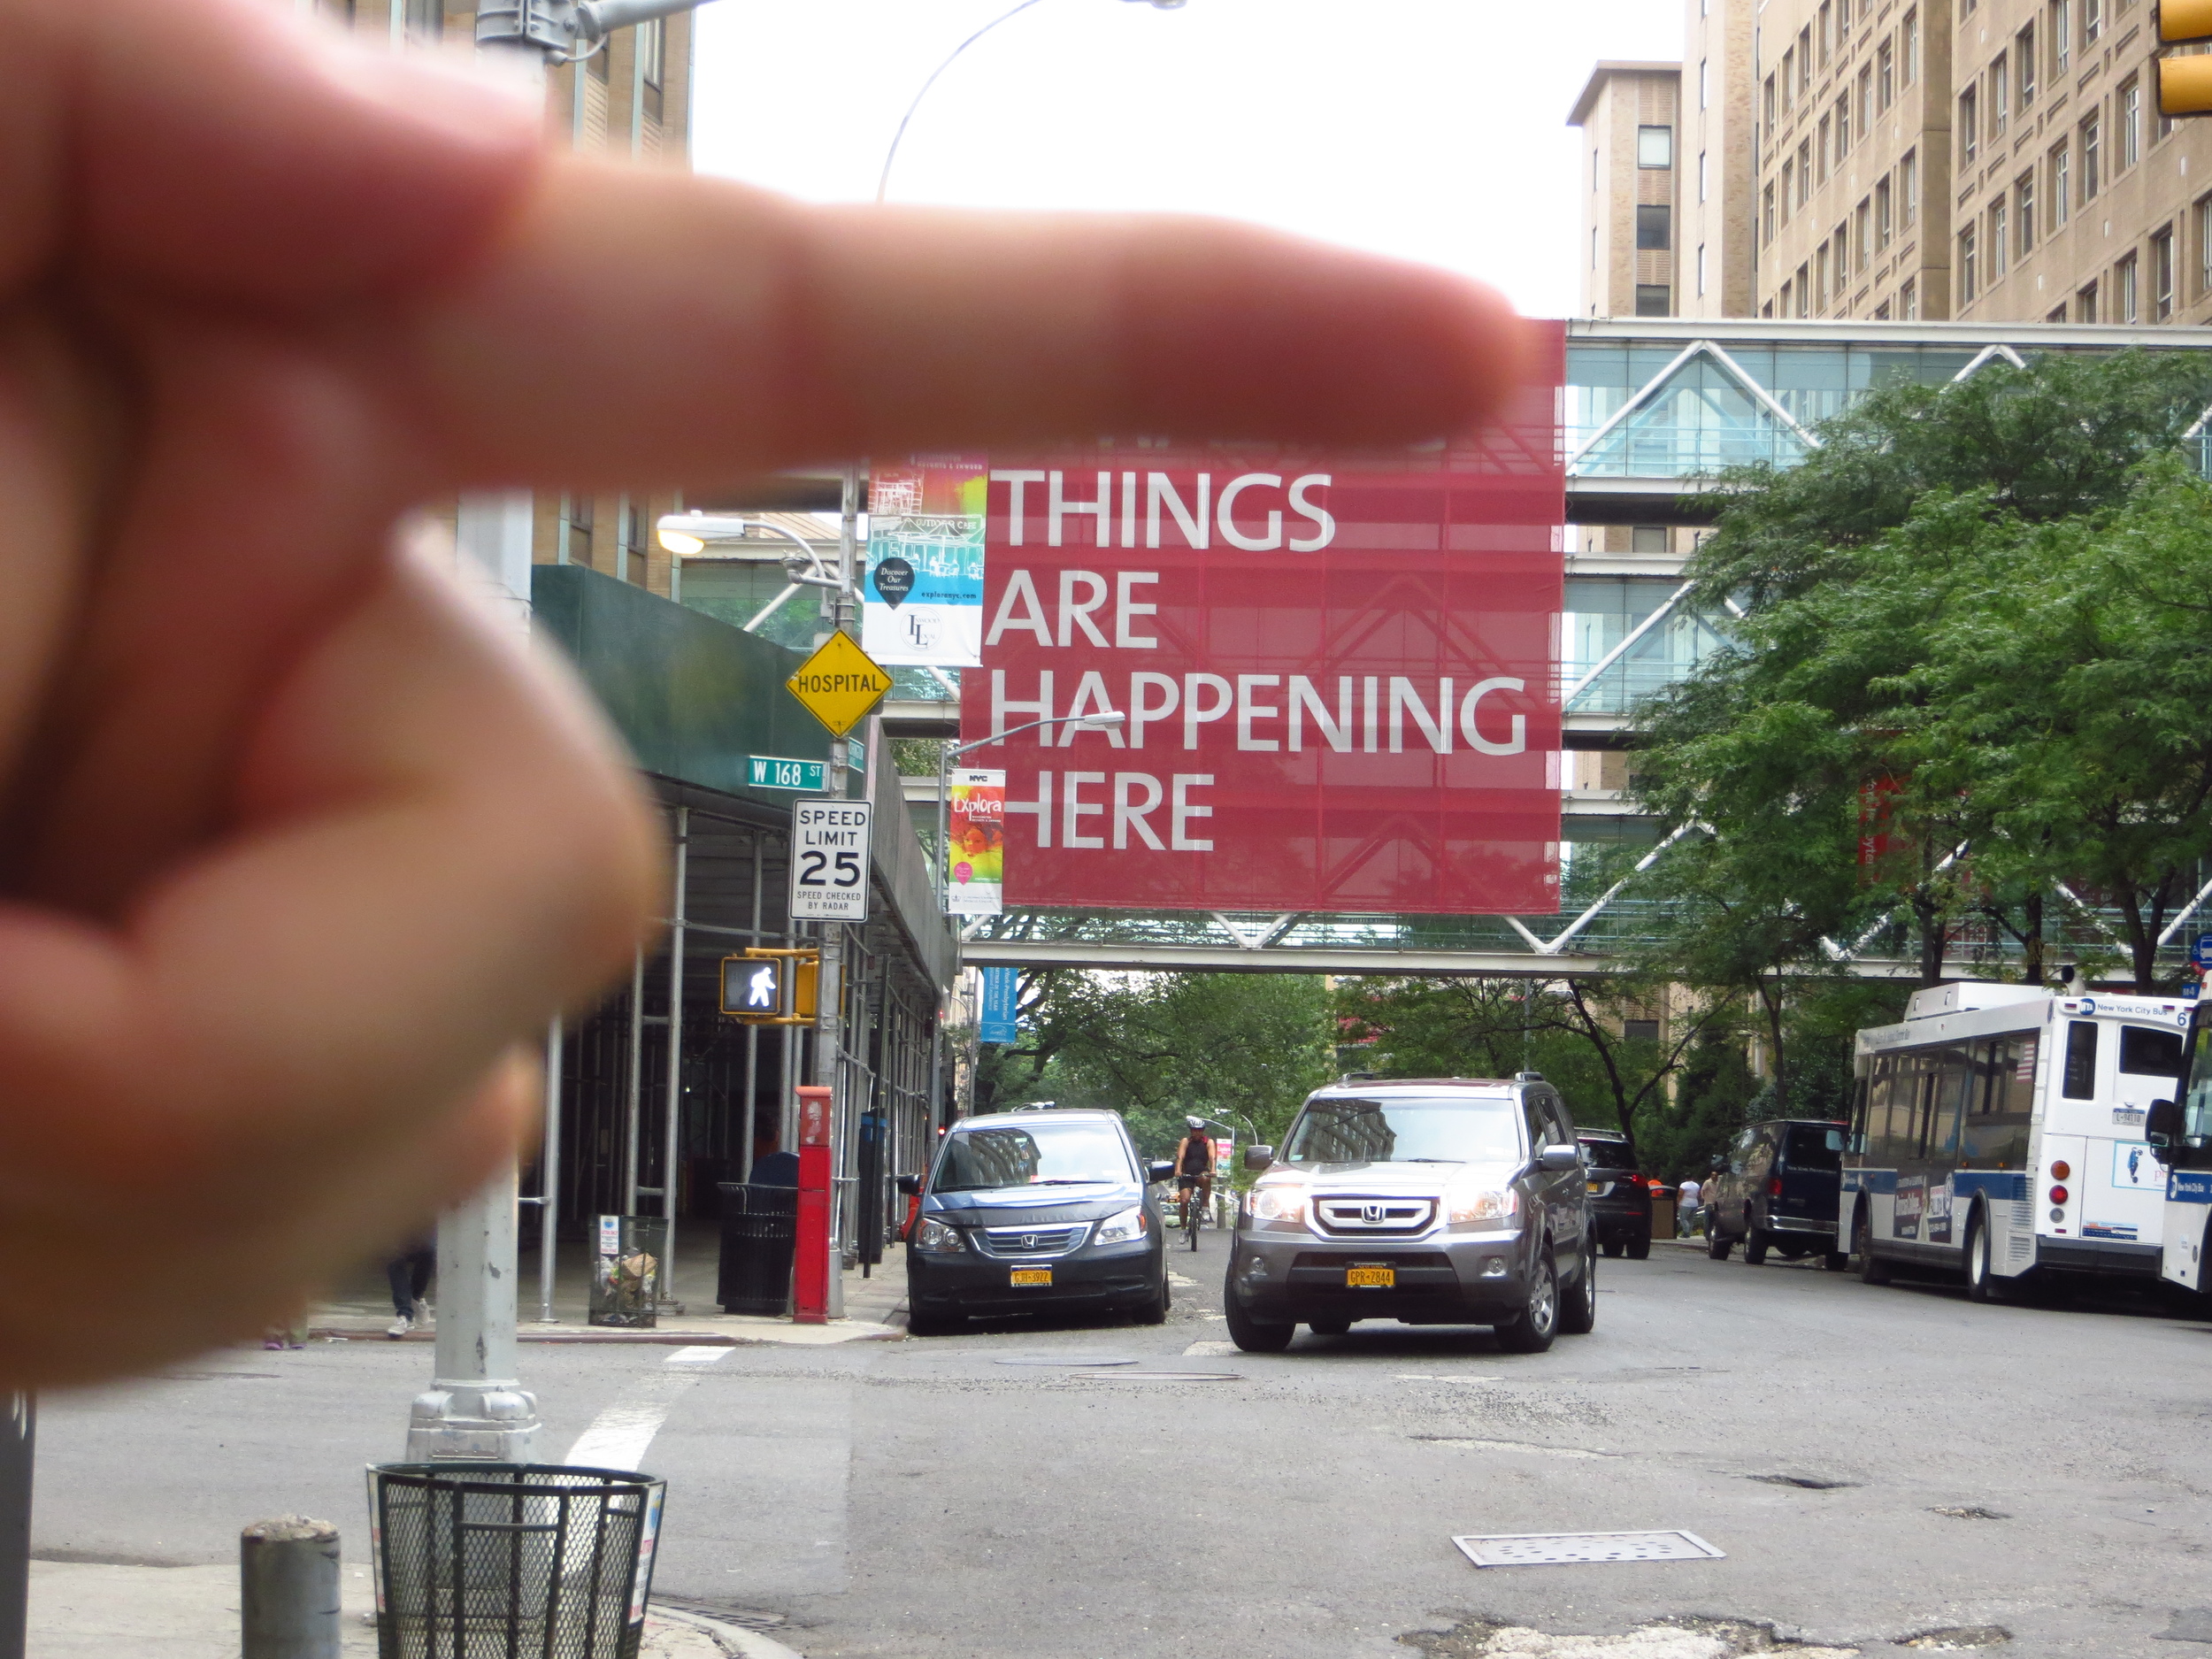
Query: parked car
1620	1198
1778	1189
1035	1209
1449	1201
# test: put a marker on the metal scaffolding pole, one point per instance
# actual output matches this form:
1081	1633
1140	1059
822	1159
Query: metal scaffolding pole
550	1170
672	1140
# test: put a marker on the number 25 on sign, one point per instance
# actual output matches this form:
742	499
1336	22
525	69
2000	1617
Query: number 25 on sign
829	860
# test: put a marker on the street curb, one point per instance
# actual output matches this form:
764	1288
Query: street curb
769	1336
747	1644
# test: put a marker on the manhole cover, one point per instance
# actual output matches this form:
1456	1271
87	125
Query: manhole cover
1546	1549
1066	1363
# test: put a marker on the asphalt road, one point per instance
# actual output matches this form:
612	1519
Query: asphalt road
1876	1464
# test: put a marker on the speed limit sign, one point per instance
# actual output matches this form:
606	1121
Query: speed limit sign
829	860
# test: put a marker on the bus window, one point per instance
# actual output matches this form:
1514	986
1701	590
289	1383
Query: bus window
2148	1052
2196	1108
2080	1081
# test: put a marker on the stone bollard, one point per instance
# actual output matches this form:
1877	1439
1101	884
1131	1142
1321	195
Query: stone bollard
288	1578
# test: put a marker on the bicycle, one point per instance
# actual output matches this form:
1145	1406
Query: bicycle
1196	1200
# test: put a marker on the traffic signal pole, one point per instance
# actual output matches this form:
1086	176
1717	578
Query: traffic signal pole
829	1027
476	1408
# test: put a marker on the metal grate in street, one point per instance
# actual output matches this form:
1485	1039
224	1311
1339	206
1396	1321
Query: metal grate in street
1550	1549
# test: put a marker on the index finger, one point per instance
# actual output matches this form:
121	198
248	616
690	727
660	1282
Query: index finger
641	326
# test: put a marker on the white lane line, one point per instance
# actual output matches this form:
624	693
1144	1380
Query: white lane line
619	1436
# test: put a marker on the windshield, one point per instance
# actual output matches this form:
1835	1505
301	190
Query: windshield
1450	1130
2196	1099
1041	1154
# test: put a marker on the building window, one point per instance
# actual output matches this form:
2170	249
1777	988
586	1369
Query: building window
1843	129
2124	291
1827	25
1594	247
1969	125
652	49
1804	173
2085	304
1908	302
1594	172
1654	147
1884	227
2162	275
1767	309
425	18
1701	268
1653	299
1862	234
1789	78
1789	174
2000	94
2058	314
1886	75
2060	200
1654	226
1704	177
1788	289
1804	292
2131	123
2024	214
2023	59
1647	538
2092	156
1908	49
1998	240
1820	276
1804	60
1827	137
1704	84
1881	313
2204	245
1769	100
2062	34
1767	214
2092	21
1909	189
1969	267
1866	102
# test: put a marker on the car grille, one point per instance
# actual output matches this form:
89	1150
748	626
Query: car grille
1030	1241
1360	1218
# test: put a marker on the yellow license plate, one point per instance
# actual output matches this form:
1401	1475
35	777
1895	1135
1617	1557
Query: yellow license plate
1370	1278
1596	1187
1031	1275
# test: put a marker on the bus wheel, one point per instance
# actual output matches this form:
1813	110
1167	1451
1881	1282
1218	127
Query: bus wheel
1981	1284
1872	1269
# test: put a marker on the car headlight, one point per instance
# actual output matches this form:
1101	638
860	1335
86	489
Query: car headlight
934	1238
1501	1205
1131	1224
1277	1205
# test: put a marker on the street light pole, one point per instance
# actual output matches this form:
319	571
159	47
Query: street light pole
476	1408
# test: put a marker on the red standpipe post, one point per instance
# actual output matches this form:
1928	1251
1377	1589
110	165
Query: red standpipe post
810	1263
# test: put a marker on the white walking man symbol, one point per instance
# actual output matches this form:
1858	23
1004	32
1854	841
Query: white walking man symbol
760	992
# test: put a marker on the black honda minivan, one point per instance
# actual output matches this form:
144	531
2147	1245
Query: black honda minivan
1028	1210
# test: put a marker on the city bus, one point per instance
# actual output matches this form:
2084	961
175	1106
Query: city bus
2180	1131
2000	1130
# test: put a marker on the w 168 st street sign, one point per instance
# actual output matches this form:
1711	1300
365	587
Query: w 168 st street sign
829	860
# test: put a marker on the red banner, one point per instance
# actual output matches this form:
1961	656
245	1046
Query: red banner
1339	674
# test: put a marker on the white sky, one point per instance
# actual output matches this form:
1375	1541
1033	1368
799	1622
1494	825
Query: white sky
1430	129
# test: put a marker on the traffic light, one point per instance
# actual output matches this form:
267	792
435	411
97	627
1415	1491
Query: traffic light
2185	84
771	987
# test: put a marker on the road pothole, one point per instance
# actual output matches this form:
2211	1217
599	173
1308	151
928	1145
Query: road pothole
1957	1639
1808	1483
1665	1638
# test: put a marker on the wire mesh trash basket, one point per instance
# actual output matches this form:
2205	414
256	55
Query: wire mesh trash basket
511	1560
626	1278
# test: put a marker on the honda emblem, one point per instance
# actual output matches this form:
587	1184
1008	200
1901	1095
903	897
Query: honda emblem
1029	1241
1371	1214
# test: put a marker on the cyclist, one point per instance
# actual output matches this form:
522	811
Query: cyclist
1194	1170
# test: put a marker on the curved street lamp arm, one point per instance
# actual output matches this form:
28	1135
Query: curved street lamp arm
883	183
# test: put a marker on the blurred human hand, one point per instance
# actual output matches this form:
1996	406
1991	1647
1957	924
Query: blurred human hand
298	846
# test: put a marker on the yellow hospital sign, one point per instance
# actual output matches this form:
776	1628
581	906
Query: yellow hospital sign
839	684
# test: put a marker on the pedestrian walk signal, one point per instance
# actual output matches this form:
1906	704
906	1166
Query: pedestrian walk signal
2185	83
771	987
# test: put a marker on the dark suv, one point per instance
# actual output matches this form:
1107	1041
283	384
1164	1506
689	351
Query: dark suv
1620	1198
1448	1201
1028	1210
1778	1189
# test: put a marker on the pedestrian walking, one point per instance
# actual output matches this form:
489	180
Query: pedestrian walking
409	1273
1687	1213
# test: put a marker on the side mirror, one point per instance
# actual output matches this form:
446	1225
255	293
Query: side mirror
909	1184
1558	1160
1257	1158
2162	1124
1160	1170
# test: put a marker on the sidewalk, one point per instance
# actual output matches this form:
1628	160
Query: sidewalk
81	1610
360	1308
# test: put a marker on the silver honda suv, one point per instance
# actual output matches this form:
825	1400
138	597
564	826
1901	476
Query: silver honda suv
1438	1201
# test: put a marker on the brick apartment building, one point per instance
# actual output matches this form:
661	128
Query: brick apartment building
1976	160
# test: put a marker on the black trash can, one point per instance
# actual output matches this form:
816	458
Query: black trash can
760	1230
504	1561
